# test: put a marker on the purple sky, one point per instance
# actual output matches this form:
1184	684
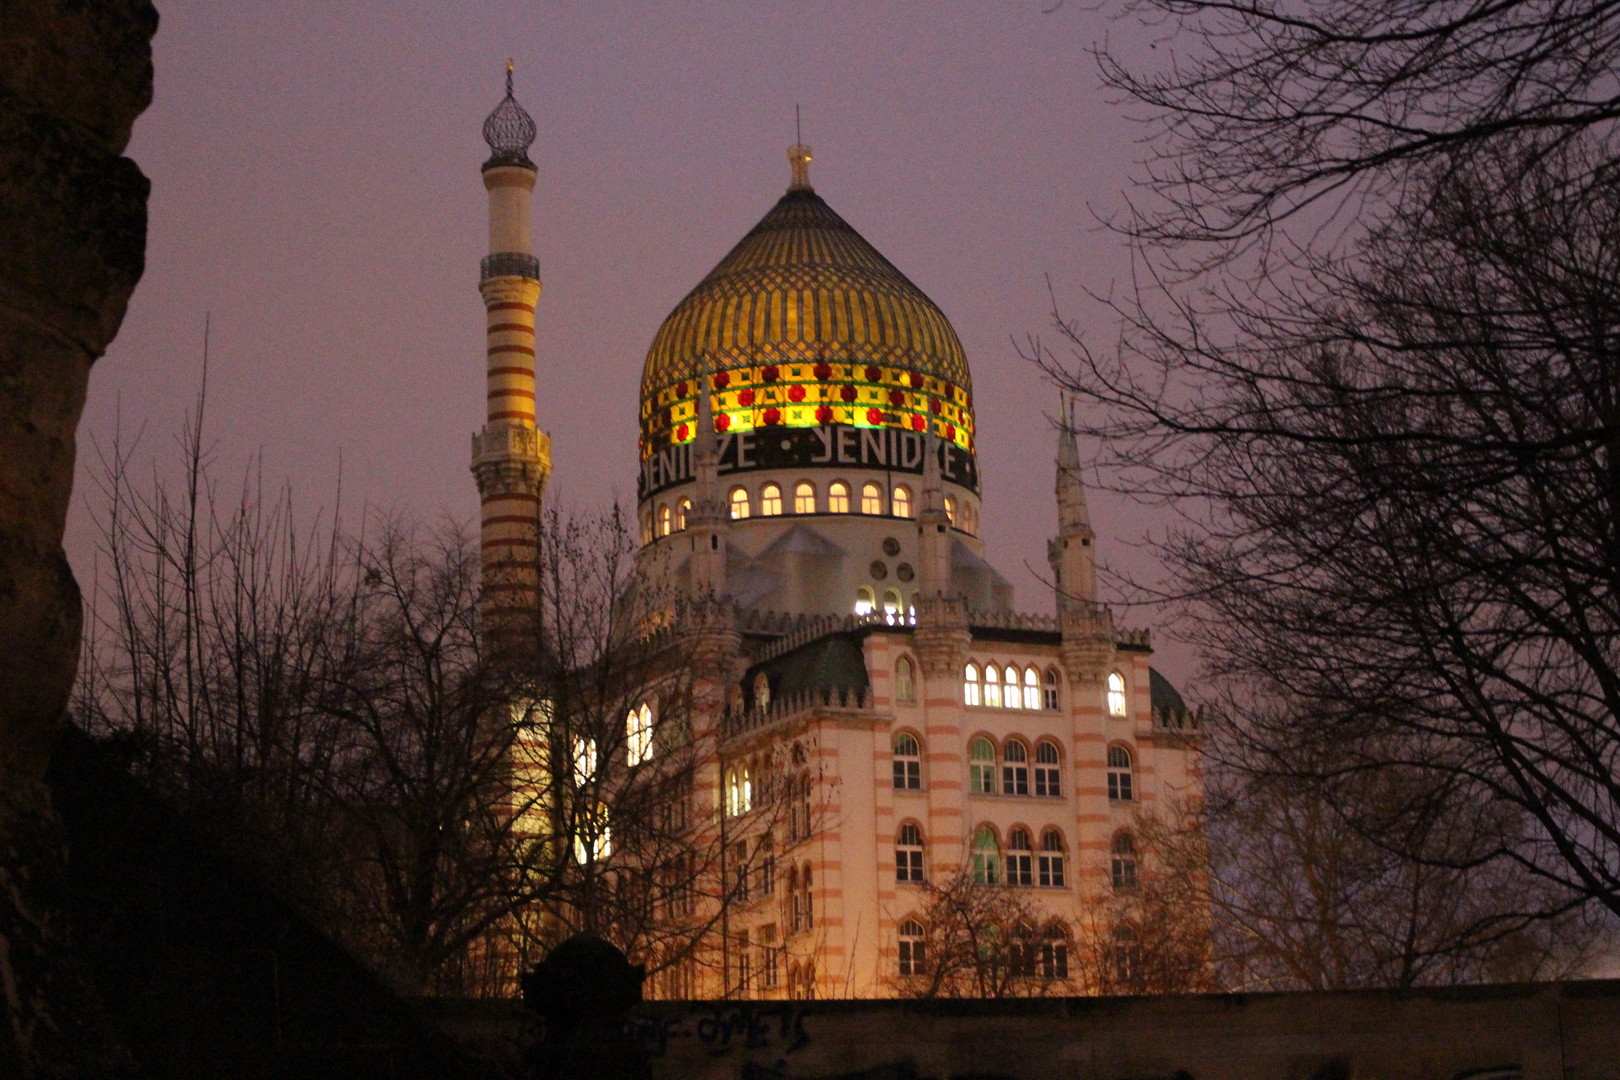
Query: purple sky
315	187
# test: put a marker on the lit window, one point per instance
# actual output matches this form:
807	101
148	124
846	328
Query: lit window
1124	861
1032	689
1116	694
762	692
992	686
913	955
1018	858
970	685
770	500
584	761
739	791
908	855
682	508
1119	774
838	497
893	606
1009	696
981	767
907	763
1014	769
903	689
1051	861
664	519
639	736
986	859
950	510
592	840
646	528
1055	954
739	503
1046	769
871	499
865	603
901	502
1049	692
804	498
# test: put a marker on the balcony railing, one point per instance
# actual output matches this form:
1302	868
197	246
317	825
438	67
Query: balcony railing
509	264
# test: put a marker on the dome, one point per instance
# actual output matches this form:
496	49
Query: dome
802	324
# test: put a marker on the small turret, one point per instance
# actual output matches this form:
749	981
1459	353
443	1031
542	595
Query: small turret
933	527
1072	553
706	520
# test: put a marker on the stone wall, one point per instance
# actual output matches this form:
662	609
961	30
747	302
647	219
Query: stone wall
74	75
1568	1031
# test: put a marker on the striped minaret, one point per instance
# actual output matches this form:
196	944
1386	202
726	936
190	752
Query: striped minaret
511	458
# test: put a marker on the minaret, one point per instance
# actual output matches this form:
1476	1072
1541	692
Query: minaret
1072	554
706	519
511	458
941	638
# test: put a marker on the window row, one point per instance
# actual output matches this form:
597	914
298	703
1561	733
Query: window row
895	609
806	499
999	686
1009	772
1025	954
1018	864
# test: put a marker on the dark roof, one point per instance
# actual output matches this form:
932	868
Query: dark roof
1166	698
832	663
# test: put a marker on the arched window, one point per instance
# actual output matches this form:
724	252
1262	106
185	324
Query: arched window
908	853
871	498
1049	692
907	762
638	736
664	519
1116	694
584	761
1047	780
1119	774
981	767
865	604
992	686
1127	957
892	606
1032	688
804	497
986	857
970	518
1014	768
903	688
809	901
913	956
1055	953
646	528
1009	695
838	497
794	903
900	500
762	692
970	685
1124	861
1019	858
770	500
950	510
739	791
682	508
739	503
1021	956
1051	860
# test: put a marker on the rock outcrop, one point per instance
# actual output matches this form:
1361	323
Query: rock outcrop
74	75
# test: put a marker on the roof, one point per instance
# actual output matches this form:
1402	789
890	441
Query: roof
1166	698
804	288
832	663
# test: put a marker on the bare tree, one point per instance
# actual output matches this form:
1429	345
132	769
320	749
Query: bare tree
983	940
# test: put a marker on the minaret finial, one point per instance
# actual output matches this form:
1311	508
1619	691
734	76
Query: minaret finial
509	130
508	76
799	157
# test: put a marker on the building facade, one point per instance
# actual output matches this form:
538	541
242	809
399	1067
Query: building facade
885	723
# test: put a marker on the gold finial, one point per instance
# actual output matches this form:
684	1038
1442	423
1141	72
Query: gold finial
799	158
508	76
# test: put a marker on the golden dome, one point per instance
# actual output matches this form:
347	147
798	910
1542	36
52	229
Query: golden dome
805	323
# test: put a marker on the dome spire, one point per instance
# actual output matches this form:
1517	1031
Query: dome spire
799	157
509	130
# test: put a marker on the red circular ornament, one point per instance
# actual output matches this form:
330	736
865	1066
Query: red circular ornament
950	431
773	417
847	393
824	415
721	380
873	416
680	433
822	371
873	374
770	373
934	406
897	397
795	393
722	422
745	397
680	390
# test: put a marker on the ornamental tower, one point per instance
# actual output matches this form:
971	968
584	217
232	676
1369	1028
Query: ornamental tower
511	457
